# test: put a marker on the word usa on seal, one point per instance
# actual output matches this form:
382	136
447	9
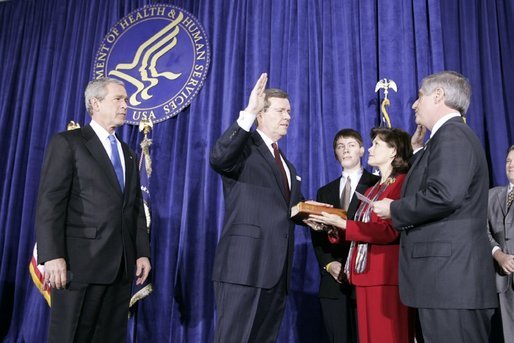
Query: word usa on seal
162	54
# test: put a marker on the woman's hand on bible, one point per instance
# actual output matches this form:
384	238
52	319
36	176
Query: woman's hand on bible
329	219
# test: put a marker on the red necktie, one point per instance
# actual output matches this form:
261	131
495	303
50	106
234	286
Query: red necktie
276	153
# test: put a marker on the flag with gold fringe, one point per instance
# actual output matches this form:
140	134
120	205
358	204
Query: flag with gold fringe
37	274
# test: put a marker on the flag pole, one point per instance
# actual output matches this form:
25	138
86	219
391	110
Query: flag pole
145	171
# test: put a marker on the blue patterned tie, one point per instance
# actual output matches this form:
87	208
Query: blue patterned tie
116	161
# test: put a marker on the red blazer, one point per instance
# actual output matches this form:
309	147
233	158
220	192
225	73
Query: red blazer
383	239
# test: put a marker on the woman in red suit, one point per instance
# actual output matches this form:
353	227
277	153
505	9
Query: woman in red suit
372	264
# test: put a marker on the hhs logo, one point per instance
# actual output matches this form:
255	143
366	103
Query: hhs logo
162	54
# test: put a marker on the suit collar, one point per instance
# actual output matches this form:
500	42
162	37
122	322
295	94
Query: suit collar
502	199
268	157
98	152
292	174
418	156
443	120
257	139
129	165
265	139
99	130
449	119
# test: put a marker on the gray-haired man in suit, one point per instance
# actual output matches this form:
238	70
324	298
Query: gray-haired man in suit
500	224
446	270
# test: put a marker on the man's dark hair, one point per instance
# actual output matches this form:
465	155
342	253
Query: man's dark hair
347	133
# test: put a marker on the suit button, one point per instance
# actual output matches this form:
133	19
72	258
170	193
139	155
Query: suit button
286	235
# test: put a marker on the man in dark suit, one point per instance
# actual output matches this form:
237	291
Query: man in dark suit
500	225
252	266
335	293
446	270
90	223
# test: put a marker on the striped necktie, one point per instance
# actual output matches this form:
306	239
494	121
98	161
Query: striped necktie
510	198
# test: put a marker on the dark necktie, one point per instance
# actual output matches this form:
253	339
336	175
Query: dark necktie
116	161
276	153
345	194
510	198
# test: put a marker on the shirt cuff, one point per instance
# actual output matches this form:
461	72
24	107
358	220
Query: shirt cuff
496	248
246	120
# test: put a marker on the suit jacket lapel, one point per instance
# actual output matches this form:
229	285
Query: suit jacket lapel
129	166
333	193
417	158
502	200
270	159
98	152
292	174
426	148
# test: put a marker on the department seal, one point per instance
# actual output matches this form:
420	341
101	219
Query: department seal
162	54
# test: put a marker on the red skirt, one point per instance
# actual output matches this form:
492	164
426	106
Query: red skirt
382	318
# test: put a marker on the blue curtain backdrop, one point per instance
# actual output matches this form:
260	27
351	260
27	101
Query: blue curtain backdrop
328	54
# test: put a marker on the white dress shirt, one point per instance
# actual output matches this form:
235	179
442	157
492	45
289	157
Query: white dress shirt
245	121
355	176
103	135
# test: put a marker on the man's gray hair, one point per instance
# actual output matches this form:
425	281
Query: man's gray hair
457	90
97	89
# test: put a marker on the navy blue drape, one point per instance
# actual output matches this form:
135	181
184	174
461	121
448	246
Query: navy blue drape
328	54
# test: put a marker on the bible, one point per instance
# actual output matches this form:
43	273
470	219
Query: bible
303	209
